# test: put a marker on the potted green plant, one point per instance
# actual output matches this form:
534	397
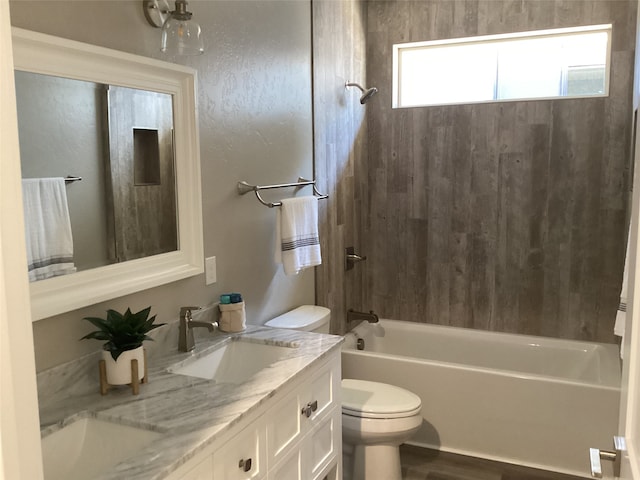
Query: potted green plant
124	334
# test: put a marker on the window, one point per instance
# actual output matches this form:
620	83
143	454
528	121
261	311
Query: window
567	62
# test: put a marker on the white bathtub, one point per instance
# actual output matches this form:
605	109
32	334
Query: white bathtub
526	400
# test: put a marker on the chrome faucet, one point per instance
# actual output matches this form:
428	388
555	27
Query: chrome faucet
353	316
186	342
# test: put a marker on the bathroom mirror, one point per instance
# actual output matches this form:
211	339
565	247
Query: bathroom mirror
121	72
115	146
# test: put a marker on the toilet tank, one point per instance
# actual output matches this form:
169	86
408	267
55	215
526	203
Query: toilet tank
309	318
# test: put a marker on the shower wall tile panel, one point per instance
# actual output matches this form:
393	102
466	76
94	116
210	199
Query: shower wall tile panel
340	151
506	217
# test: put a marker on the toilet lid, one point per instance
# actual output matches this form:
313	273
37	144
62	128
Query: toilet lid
361	398
306	317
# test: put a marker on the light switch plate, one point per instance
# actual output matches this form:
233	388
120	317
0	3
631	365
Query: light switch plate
210	270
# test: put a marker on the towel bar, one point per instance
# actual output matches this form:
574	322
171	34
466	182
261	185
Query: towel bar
244	187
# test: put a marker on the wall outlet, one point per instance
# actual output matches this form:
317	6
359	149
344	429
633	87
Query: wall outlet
210	270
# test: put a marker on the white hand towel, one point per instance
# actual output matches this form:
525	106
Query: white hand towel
297	239
47	228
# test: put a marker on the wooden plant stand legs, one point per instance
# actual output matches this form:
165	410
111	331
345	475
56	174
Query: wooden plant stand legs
135	382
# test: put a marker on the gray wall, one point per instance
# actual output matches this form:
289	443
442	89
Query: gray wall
508	216
254	101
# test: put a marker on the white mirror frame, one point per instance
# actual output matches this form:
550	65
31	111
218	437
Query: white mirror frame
49	55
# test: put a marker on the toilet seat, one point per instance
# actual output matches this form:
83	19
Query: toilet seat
364	399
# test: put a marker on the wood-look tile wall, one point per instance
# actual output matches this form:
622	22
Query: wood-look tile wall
340	149
144	213
507	216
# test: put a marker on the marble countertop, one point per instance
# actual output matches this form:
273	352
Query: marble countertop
189	412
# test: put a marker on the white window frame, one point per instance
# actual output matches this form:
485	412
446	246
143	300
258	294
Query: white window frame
485	39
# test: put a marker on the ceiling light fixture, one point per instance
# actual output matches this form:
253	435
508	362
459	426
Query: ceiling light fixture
180	34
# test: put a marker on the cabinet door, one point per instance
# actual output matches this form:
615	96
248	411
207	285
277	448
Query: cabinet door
283	427
291	467
322	445
243	457
203	471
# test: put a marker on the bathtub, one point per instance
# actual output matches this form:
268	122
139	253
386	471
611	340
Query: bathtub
532	401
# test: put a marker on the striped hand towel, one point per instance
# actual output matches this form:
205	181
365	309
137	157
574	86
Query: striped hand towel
297	240
621	314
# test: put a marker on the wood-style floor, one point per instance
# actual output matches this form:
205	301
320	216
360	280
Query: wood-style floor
423	464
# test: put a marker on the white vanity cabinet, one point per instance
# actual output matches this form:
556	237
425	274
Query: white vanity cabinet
296	435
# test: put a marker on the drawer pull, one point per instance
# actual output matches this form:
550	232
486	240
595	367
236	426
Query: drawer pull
309	408
245	465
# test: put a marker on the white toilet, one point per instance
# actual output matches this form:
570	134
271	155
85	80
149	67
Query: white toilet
376	417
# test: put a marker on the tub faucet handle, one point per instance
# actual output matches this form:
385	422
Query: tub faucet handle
351	258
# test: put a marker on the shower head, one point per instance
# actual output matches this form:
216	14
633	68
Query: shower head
366	93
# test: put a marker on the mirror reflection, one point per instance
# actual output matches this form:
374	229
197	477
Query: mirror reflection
119	142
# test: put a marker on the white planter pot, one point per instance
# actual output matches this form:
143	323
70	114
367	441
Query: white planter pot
119	372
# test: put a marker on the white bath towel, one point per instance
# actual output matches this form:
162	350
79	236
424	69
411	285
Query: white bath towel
47	228
297	240
621	314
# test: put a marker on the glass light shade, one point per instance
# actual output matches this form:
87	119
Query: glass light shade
182	37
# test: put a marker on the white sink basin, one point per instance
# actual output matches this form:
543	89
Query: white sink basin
89	447
234	362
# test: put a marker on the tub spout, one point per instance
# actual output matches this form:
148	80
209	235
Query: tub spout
354	316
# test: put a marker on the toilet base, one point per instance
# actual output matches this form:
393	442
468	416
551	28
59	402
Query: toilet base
372	462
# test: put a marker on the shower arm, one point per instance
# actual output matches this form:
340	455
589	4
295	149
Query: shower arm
357	85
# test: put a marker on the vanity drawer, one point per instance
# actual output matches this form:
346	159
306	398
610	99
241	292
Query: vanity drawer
243	457
319	395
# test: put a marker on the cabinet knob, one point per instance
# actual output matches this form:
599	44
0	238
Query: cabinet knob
245	465
309	408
